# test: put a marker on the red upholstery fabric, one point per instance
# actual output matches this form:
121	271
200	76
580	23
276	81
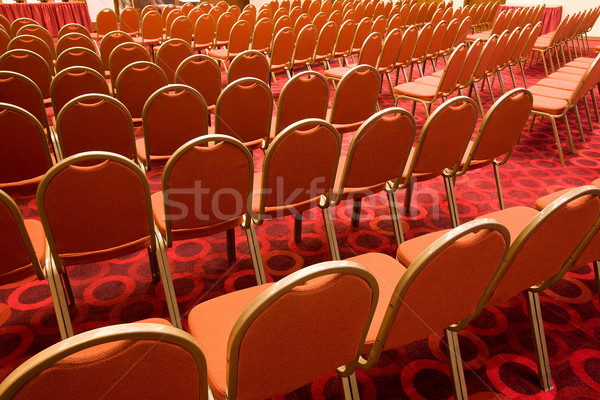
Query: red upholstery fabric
305	97
51	16
549	105
21	93
170	55
202	75
32	66
136	84
409	250
72	84
356	97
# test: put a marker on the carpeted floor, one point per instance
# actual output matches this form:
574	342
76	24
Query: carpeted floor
496	347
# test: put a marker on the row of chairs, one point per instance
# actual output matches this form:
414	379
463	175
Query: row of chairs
511	20
262	333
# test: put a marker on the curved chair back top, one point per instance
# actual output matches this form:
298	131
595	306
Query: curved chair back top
35	44
249	64
74	28
306	42
203	74
107	21
306	95
387	135
298	168
519	47
486	55
224	25
422	45
152	27
79	57
109	42
389	52
262	35
75	81
371	48
123	55
326	41
509	49
30	64
19	23
204	31
452	71
182	28
109	356
437	37
244	111
136	83
468	69
282	48
74	39
21	91
345	37
95	122
171	16
249	17
379	25
24	152
450	36
492	67
239	38
363	30
319	20
170	54
407	48
463	30
40	32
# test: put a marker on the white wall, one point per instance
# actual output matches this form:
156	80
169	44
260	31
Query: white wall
94	6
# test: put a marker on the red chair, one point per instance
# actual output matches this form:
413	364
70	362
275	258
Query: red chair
106	21
129	21
203	74
170	54
182	28
282	51
152	31
249	64
325	47
79	57
262	35
39	32
306	42
224	25
172	116
18	23
74	28
31	65
193	163
204	32
4	41
75	40
343	42
238	41
34	44
108	44
123	55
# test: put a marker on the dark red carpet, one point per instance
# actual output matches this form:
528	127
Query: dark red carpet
496	347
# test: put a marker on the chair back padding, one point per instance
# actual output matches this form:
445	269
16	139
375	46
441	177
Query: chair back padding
306	41
203	74
343	42
74	40
468	69
79	57
262	35
109	42
124	54
30	64
73	82
19	90
129	21
282	49
204	31
32	43
356	96
170	54
249	64
136	83
407	48
107	21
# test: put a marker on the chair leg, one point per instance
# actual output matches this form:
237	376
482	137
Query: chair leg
523	74
350	386
167	281
355	217
557	140
59	300
578	118
512	76
487	78
501	80
595	103
539	340
231	245
298	227
331	238
478	96
568	128
396	218
498	186
587	113
456	369
452	205
597	276
153	265
407	198
259	271
545	67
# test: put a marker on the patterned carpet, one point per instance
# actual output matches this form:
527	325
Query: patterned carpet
496	347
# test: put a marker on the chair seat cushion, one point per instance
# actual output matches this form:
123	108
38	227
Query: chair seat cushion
337	72
544	201
429	80
551	92
549	105
572	70
409	251
417	90
558	84
513	218
211	323
565	77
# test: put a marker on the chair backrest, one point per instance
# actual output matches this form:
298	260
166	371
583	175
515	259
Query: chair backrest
249	17
501	127
30	64
463	30
225	167
450	36
302	21
336	17
119	214
35	44
549	244
79	57
345	37
371	48
492	67
187	8
282	22
509	48
306	95
123	55
107	21
75	81
355	97
19	23
444	138
389	52
203	74
444	286
422	45
171	16
129	21
379	25
74	28
74	40
468	68
170	54
311	296
239	38
486	55
262	35
437	37
454	66
24	153
194	14
388	136
204	31
95	122
306	42
590	79
326	42
172	116
40	32
152	27
21	91
109	42
215	12
147	9
264	13
363	30
319	20
244	111
280	12
110	357
519	47
249	64
136	83
224	25
182	28
501	22
282	48
298	168
19	258
407	48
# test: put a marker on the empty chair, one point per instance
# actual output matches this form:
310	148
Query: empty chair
297	175
74	40
172	116
152	31
262	35
171	17
369	55
182	28
238	41
39	32
420	50
79	57
24	152
19	90
388	134
194	162
95	122
106	21
498	134
224	25
282	51
34	44
249	17
123	55
441	286
325	46
108	44
343	42
244	111
306	42
440	147
355	98
204	32
111	194
435	44
363	30
203	74
249	64
73	28
407	49
388	57
31	65
111	357
170	54
305	309
320	20
136	83
304	96
18	23
129	21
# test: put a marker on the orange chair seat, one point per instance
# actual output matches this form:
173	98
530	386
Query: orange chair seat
558	84
474	164
565	77
221	54
544	201
140	147
411	249
514	218
158	209
579	64
551	92
572	70
549	105
145	41
220	313
418	90
438	73
337	72
481	35
597	49
388	272
429	80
